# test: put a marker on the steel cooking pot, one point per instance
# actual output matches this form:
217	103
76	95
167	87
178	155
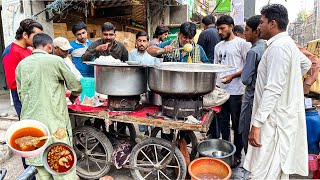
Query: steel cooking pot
184	79
120	79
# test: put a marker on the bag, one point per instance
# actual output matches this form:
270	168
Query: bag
215	98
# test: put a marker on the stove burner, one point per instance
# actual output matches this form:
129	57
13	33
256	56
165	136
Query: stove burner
181	107
123	103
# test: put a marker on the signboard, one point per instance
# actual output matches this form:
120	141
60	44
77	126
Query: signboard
238	12
224	6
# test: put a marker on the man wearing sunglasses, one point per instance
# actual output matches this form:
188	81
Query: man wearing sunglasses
107	45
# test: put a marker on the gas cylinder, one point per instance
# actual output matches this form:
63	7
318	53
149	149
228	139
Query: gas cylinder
313	130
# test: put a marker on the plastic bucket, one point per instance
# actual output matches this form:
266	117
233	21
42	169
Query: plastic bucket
88	87
313	162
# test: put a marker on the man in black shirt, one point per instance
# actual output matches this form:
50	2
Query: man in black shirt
209	37
106	46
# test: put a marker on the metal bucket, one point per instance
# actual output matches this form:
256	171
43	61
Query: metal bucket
217	148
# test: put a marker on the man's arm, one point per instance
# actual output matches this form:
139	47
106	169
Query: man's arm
312	74
90	53
249	68
69	78
153	50
10	63
124	56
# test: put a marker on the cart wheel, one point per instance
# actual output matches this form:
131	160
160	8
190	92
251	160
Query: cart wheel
124	132
190	137
93	150
151	153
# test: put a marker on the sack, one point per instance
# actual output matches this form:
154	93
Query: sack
215	98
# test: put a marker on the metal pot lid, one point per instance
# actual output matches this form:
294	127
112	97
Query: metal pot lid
193	67
113	64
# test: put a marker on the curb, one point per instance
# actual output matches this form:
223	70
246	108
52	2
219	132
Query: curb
5	153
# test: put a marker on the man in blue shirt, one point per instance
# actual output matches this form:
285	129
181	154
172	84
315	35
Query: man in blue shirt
172	54
140	54
80	45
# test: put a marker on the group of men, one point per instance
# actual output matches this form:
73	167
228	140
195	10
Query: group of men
266	102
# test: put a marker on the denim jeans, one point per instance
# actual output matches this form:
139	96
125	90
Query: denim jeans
16	102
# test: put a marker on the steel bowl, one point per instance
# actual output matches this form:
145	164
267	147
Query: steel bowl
45	159
217	148
120	79
184	79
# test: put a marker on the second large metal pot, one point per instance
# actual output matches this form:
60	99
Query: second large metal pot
184	79
120	79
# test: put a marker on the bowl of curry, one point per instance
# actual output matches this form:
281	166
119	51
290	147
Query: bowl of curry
59	159
25	128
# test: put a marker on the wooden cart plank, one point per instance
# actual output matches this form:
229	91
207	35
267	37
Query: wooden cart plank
169	124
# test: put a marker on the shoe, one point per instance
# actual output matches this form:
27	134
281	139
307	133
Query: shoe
236	162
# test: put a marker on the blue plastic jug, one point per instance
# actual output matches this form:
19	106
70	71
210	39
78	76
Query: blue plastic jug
313	130
88	87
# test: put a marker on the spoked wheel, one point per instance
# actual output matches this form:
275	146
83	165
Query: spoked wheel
189	136
122	132
152	153
93	150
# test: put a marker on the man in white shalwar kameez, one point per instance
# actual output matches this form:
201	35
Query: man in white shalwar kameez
278	139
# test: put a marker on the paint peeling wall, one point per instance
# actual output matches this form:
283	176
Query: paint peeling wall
13	11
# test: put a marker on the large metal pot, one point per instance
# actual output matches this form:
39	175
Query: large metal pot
120	79
184	79
217	148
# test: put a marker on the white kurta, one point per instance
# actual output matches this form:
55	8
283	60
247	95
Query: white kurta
278	109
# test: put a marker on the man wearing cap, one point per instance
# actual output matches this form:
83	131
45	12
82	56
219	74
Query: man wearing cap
61	47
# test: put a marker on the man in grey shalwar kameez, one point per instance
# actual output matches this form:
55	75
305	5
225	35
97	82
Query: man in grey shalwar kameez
249	75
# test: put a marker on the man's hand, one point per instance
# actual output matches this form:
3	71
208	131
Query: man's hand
72	98
227	79
254	137
103	47
169	49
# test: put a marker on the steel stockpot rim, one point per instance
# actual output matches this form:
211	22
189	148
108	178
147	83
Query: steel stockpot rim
115	64
192	67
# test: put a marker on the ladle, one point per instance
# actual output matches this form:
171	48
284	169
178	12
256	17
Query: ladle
33	141
186	48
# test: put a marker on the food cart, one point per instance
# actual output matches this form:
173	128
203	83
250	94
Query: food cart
181	86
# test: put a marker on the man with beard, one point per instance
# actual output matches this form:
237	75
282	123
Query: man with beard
173	54
107	45
140	54
80	45
278	136
61	47
231	51
160	35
